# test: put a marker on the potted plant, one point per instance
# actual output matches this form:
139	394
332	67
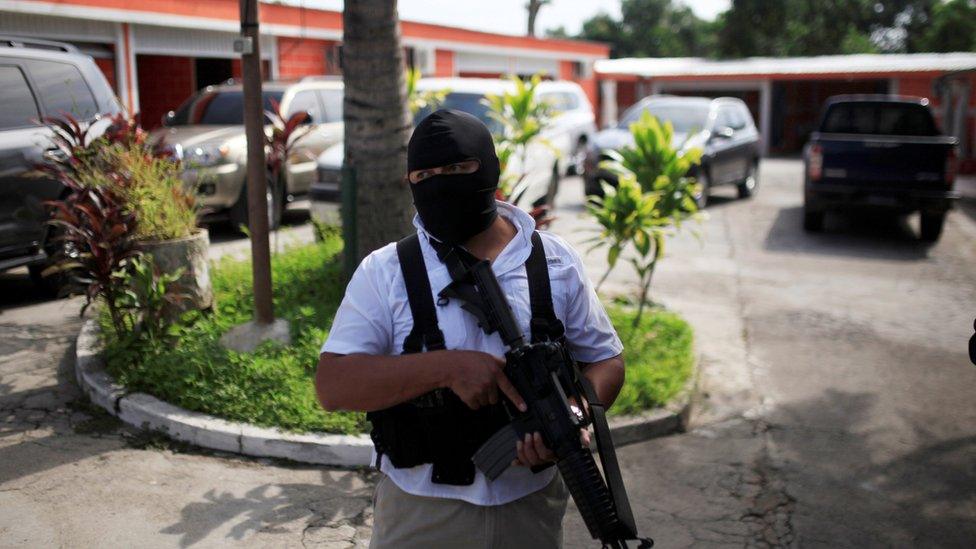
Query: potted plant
150	189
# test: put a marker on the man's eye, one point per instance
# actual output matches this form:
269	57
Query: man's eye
454	168
420	176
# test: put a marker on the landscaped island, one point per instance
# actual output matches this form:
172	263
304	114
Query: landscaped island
274	386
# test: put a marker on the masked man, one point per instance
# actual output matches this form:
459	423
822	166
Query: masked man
431	379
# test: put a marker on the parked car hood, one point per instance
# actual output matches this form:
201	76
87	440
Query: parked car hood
331	158
618	138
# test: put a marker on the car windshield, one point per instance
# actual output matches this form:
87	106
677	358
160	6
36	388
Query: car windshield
467	102
684	118
879	118
218	108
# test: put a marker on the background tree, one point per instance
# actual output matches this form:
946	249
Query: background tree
377	122
664	28
807	27
651	28
533	8
952	27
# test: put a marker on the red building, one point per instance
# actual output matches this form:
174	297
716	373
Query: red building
158	53
786	94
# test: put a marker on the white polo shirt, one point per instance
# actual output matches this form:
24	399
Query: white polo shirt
374	318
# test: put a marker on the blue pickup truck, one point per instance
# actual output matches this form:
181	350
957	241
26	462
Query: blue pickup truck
879	151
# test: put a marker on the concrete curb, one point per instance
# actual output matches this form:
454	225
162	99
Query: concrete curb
149	413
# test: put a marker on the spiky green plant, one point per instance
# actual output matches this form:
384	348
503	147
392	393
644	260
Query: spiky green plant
654	194
522	118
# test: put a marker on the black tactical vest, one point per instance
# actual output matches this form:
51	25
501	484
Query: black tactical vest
438	427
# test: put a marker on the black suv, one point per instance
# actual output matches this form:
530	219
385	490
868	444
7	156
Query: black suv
39	78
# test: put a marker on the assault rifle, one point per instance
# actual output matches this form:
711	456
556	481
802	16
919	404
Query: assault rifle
547	378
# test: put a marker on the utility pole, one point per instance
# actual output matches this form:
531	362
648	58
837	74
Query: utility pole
257	200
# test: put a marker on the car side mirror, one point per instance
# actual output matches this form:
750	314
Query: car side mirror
168	118
723	132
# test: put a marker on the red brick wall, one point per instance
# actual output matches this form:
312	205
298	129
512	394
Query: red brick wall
920	86
107	66
626	95
472	74
565	70
298	57
443	63
164	83
238	74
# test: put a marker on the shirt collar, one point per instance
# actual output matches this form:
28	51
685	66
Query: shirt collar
515	253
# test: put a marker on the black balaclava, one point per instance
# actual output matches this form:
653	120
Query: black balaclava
454	208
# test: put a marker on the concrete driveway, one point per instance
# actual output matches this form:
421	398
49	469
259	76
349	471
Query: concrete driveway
838	406
839	409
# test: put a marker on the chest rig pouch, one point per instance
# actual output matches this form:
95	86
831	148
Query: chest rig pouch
438	427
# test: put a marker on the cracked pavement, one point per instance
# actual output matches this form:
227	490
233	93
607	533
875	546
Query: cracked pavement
837	405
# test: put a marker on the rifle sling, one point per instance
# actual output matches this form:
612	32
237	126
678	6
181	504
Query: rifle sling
608	458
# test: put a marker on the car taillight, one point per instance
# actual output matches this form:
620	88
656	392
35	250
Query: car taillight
815	162
951	166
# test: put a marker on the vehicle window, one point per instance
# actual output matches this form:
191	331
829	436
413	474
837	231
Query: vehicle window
306	101
724	118
879	118
17	105
332	100
683	117
561	101
746	116
218	108
467	102
62	89
736	118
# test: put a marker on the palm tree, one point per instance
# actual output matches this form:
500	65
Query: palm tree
533	8
377	122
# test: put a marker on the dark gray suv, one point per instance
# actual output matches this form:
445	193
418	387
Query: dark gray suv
39	78
723	128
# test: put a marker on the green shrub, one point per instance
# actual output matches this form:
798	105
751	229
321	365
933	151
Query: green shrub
274	385
151	186
659	357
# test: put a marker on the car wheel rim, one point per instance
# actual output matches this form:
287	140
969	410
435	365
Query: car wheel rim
751	179
579	156
270	197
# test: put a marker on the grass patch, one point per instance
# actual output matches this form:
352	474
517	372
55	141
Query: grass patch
659	357
274	386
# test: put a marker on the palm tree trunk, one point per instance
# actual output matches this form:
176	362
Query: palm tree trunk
377	122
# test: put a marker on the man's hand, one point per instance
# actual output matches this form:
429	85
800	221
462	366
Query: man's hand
532	451
476	377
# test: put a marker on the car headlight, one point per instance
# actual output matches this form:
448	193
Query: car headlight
205	155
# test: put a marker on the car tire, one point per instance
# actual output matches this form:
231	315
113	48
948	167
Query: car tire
750	184
813	220
931	226
275	197
577	160
550	198
55	284
701	199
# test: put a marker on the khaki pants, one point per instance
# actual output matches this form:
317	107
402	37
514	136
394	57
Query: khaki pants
402	520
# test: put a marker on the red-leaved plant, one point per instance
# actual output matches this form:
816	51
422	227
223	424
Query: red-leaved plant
285	134
125	130
71	141
96	248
